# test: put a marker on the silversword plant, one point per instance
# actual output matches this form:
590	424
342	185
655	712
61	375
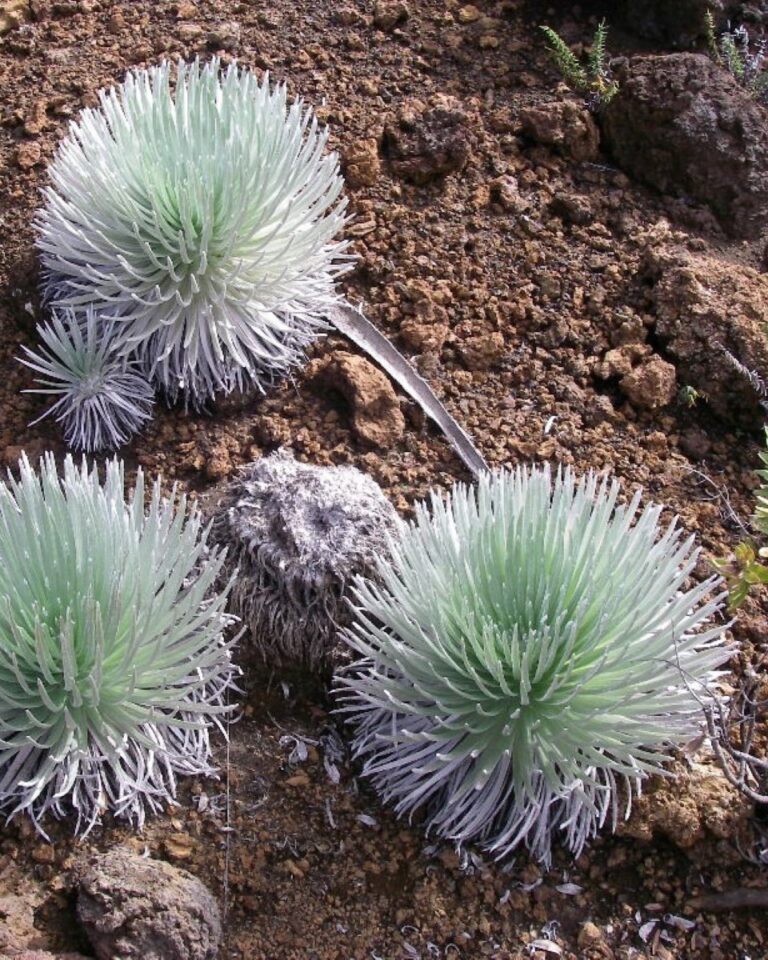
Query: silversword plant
531	647
102	399
197	208
113	660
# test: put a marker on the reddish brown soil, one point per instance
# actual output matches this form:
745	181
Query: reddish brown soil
529	300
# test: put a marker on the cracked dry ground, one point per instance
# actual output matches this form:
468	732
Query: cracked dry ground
523	280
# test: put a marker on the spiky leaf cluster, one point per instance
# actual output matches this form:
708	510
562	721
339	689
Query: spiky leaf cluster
113	662
102	399
195	209
298	534
532	647
592	79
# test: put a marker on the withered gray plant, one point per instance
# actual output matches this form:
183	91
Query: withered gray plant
299	534
530	647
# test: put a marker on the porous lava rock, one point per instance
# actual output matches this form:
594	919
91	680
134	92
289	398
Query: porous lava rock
704	306
135	908
425	141
565	125
298	534
682	124
377	420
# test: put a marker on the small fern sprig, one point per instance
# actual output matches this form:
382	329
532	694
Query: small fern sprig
598	53
594	79
566	62
732	57
710	32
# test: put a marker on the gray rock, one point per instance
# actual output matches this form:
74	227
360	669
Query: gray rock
425	142
135	908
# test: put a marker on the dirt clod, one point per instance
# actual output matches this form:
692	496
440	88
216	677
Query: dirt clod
362	166
565	125
482	352
651	385
704	306
388	14
17	923
423	141
12	14
28	154
377	420
699	804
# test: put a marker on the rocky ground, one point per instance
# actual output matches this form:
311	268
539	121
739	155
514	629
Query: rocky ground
566	285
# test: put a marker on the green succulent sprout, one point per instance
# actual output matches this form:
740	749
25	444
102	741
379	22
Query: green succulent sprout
113	662
531	648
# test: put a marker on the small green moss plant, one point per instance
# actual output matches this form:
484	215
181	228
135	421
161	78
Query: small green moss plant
593	78
113	660
526	657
